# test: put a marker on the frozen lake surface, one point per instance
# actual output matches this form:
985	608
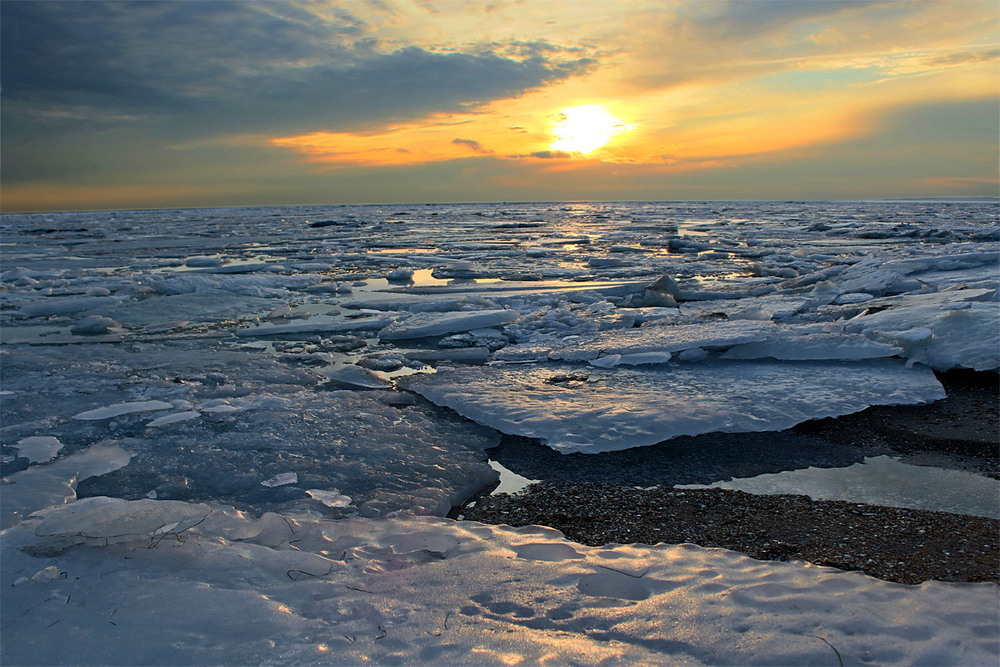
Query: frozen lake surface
330	374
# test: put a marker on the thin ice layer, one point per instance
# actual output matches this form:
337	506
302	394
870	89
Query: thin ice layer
194	584
575	409
880	480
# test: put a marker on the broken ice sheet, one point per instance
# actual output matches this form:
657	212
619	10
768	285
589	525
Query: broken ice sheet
55	483
625	407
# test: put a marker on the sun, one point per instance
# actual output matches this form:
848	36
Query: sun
585	128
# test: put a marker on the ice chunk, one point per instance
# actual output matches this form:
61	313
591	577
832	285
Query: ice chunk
694	354
963	338
104	518
854	297
94	325
203	262
607	361
318	326
331	498
222	406
44	576
357	376
423	325
813	346
119	409
46	307
38	448
174	418
281	479
643	358
400	275
621	408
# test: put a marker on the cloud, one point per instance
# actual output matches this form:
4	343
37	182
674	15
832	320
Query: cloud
542	155
213	66
746	19
964	58
90	86
474	145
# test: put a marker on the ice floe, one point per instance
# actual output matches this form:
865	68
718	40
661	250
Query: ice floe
596	410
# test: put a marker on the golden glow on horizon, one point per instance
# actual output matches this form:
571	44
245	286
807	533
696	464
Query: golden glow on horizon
591	99
585	128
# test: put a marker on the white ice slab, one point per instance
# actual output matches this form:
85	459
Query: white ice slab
881	480
623	407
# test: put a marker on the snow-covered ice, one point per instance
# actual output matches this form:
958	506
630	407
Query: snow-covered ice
218	448
163	582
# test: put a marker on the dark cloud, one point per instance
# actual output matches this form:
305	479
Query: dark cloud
474	145
543	155
238	67
166	73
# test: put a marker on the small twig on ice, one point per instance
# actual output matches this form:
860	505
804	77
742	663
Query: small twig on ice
839	659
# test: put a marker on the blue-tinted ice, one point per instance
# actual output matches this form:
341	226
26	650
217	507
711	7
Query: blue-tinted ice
224	349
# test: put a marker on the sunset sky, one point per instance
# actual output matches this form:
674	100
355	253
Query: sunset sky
110	105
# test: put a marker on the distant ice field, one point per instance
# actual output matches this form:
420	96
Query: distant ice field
345	365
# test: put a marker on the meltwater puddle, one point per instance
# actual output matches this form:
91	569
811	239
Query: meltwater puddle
880	480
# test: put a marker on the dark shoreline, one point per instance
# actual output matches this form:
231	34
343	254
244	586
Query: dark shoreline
627	497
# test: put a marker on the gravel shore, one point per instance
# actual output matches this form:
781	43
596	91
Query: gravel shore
627	497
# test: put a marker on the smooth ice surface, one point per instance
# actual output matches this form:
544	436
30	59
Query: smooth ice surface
881	480
38	448
147	582
575	409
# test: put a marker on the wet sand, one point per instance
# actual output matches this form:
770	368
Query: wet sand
627	497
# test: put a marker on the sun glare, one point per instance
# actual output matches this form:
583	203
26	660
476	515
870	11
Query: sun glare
584	129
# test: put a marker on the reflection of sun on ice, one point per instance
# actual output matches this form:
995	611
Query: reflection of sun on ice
585	128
